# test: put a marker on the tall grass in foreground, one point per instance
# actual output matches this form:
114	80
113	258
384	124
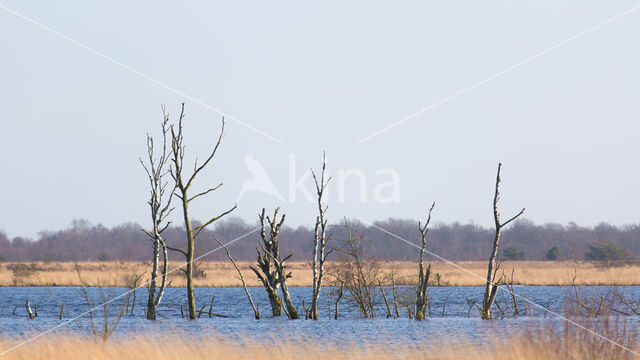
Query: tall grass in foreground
567	343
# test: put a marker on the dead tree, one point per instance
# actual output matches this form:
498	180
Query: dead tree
320	241
358	273
256	312
492	283
279	264
160	209
340	295
29	312
423	275
271	269
183	186
266	272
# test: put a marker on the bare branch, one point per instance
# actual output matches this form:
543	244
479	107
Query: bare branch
148	234
513	218
244	283
164	228
178	250
199	229
205	192
215	149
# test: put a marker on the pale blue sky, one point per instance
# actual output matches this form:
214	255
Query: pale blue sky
321	77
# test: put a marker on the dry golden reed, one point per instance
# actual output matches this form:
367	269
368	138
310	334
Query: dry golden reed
547	345
220	274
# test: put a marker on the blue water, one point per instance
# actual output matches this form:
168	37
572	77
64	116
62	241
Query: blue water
237	320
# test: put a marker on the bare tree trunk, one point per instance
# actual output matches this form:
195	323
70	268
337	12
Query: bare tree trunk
151	300
292	312
386	301
340	295
191	297
395	292
492	285
319	242
29	312
422	298
183	186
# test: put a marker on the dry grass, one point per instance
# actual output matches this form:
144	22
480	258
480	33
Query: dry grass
548	345
219	274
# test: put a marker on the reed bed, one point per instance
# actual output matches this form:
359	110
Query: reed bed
222	274
549	344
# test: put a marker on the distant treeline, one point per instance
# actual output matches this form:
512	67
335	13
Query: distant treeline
83	241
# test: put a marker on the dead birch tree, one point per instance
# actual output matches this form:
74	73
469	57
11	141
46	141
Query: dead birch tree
320	240
183	186
492	283
267	273
272	273
280	264
422	298
156	172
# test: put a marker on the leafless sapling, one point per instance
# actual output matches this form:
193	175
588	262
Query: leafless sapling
492	282
131	281
110	319
256	312
160	209
320	240
183	187
422	298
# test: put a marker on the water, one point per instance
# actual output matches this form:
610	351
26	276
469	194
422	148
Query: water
237	320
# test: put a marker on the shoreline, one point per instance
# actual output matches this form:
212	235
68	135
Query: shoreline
300	286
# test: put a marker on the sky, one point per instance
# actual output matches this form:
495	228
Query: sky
412	102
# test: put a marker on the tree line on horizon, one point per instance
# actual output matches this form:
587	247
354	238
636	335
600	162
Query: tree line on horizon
524	240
